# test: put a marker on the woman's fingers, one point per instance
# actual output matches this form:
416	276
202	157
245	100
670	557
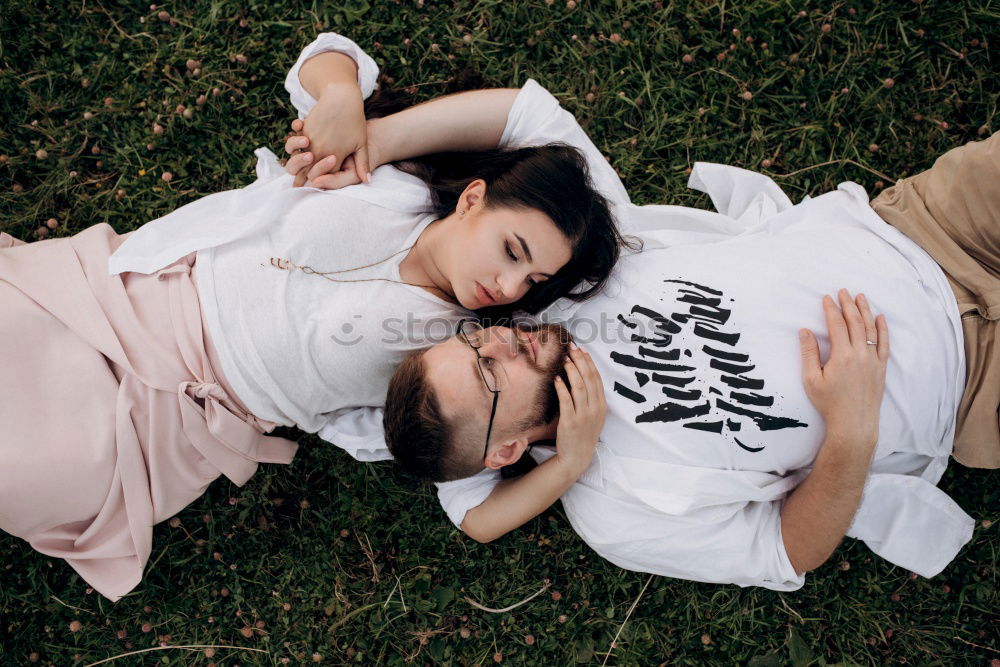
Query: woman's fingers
327	165
297	125
298	162
361	165
347	175
301	176
296	143
335	181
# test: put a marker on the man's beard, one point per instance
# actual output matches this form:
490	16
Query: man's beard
545	407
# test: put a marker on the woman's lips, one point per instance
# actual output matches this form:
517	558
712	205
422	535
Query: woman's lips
484	295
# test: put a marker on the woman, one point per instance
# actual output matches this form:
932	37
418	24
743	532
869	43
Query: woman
127	394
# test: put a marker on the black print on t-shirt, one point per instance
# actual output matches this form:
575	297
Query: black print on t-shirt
734	395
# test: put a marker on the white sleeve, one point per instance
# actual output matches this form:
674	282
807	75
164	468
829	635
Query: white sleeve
911	523
329	41
358	431
234	214
462	495
536	118
740	194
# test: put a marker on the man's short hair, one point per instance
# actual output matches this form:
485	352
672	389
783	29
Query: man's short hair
419	436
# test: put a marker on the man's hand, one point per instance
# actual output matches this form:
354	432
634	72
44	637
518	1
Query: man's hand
582	408
514	501
847	390
335	132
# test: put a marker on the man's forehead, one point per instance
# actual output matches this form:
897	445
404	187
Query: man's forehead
449	366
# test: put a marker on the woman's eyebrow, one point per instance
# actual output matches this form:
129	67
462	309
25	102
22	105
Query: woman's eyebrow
524	246
527	252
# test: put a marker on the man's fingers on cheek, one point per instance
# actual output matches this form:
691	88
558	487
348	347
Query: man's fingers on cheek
565	398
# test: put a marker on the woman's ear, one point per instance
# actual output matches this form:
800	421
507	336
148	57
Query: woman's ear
473	195
505	453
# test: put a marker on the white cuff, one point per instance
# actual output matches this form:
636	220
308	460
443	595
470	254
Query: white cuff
330	41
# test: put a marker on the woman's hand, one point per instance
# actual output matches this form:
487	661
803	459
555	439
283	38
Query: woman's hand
582	408
847	390
334	131
300	162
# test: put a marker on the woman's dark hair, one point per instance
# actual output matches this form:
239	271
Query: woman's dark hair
553	179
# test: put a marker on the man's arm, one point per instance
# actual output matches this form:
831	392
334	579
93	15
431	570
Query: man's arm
514	502
581	416
847	392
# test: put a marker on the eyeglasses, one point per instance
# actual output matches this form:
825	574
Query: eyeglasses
492	370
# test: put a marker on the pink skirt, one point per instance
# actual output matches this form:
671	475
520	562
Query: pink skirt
113	408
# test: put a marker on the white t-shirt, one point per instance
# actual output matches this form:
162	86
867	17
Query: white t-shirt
302	350
297	347
708	424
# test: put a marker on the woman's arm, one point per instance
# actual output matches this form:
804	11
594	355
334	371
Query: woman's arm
469	121
329	68
335	126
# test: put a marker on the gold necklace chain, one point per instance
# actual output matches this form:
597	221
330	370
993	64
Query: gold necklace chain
285	264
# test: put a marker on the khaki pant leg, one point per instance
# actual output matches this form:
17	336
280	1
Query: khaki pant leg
952	211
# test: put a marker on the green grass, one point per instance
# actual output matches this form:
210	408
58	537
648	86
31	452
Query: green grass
354	562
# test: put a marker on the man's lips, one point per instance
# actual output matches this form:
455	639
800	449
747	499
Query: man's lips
484	295
532	345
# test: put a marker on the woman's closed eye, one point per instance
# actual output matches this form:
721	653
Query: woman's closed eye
531	282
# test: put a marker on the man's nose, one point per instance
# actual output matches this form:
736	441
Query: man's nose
500	343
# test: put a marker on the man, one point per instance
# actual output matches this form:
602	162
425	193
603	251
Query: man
734	450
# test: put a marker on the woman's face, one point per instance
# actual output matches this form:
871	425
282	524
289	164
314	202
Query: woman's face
493	255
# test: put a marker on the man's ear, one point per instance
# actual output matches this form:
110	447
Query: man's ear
474	194
505	453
